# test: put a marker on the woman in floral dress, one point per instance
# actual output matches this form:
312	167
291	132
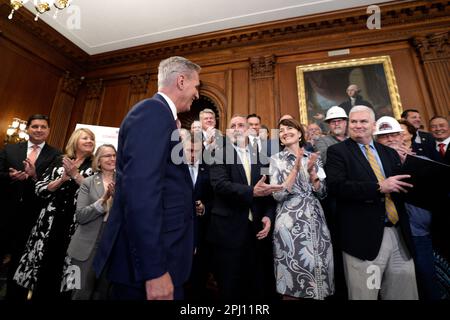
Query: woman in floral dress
41	266
303	254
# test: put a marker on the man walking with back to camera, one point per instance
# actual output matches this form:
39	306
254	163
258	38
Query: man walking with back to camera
147	247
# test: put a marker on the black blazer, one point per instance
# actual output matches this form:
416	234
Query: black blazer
19	201
233	198
426	147
360	206
203	192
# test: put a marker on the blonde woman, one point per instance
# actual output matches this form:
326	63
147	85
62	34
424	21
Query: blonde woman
94	201
41	265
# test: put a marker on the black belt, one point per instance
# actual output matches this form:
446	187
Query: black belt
390	224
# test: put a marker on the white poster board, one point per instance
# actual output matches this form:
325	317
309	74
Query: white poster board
103	134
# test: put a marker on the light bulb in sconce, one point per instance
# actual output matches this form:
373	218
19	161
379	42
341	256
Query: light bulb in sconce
10	131
42	7
22	134
23	126
15	124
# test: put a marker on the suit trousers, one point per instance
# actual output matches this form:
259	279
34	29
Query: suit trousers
391	275
245	273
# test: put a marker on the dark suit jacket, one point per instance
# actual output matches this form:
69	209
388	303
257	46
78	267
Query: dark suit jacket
446	158
360	206
347	105
233	197
203	192
150	226
20	203
426	147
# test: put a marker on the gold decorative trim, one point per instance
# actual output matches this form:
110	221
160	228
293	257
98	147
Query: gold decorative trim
388	71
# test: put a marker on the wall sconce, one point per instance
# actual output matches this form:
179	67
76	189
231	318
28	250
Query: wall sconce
16	132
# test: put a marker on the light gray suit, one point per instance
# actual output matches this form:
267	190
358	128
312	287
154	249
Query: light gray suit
84	243
88	217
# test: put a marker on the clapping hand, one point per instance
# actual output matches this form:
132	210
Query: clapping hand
70	167
17	175
311	163
109	192
30	169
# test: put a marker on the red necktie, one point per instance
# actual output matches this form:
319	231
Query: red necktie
34	153
442	149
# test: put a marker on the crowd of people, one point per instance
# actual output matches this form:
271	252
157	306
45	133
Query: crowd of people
251	214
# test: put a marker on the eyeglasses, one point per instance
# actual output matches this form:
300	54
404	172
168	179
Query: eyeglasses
109	156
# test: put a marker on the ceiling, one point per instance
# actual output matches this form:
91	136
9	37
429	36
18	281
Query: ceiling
107	25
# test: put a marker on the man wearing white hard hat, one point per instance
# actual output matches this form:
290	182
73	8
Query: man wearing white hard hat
337	122
336	118
389	132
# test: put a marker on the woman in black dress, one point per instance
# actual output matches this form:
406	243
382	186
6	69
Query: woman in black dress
41	265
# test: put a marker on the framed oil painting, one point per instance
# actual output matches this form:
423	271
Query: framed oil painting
323	85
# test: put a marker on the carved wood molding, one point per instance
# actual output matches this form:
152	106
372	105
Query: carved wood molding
262	67
433	47
94	89
398	15
139	83
71	84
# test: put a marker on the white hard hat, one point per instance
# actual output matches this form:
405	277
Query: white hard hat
335	112
386	125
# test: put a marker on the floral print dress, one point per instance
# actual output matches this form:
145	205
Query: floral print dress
48	241
303	253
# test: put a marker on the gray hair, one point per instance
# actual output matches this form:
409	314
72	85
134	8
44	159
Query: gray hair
206	110
362	108
171	67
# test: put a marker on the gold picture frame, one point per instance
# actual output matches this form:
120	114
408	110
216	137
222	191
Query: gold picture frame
323	85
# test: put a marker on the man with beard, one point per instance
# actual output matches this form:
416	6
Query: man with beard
337	121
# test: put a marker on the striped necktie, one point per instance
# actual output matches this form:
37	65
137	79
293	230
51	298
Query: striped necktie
390	206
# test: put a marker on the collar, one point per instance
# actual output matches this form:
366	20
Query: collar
195	164
239	149
446	142
371	144
286	154
30	144
171	105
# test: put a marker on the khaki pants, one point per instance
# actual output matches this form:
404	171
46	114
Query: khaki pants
391	274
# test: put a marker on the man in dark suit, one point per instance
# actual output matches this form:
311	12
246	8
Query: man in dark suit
440	129
423	141
372	223
255	142
147	245
354	99
242	214
202	197
20	166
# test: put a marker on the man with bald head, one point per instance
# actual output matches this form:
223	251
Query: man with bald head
354	98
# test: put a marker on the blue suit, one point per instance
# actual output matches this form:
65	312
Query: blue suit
150	227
